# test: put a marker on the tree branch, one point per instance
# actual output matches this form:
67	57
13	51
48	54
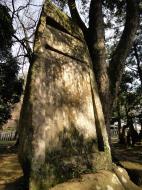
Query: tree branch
139	70
28	49
96	23
75	15
119	56
25	40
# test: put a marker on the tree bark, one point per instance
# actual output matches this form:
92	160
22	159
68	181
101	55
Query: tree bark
75	15
119	119
96	44
116	66
94	37
138	63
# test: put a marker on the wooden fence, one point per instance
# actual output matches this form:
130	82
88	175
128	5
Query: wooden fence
8	136
114	132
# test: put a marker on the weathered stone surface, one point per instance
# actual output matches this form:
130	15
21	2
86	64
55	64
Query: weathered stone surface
102	180
134	170
60	125
54	15
64	43
125	179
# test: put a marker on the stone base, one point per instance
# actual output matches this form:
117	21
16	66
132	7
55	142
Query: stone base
134	170
117	179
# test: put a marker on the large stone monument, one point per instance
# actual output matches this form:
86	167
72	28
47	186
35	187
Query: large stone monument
62	130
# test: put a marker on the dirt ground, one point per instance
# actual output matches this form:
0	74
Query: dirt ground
130	153
11	174
10	170
130	158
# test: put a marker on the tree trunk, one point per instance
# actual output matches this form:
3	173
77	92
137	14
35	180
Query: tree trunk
96	44
117	63
138	63
119	118
108	82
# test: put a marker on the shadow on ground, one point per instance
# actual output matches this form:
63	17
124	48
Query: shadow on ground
18	184
129	158
11	176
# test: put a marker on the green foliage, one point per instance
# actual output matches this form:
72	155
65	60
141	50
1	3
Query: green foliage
116	5
129	99
4	112
6	29
10	85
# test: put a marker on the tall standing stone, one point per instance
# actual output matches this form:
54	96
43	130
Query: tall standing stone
62	131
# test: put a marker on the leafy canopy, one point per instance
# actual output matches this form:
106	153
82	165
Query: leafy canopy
10	84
